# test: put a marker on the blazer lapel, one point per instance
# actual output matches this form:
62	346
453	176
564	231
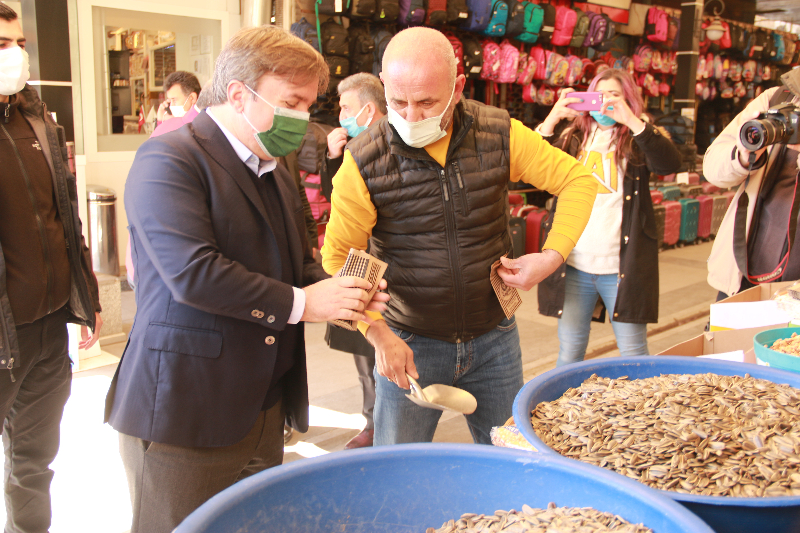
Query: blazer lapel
214	142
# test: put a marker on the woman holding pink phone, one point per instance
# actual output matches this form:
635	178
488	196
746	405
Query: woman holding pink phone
615	262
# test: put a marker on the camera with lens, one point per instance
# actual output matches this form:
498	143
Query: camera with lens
779	124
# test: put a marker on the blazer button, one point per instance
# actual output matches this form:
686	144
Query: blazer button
270	340
271	319
616	315
563	274
628	197
257	314
560	311
622	275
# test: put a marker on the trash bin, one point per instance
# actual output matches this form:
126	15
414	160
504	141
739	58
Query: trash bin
103	229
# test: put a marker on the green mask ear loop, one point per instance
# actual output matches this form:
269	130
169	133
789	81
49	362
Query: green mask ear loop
319	31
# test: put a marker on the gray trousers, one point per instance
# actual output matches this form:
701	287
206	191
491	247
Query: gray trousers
365	366
31	408
168	482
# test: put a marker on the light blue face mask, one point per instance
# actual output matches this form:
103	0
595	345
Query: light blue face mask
601	119
352	127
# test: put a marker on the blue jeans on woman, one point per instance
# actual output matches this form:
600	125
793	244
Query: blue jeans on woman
489	367
582	290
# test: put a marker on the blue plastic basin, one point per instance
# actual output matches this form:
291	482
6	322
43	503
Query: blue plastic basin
723	514
408	488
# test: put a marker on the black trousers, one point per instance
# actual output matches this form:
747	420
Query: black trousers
31	408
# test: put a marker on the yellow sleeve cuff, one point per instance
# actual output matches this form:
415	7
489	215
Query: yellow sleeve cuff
560	243
363	326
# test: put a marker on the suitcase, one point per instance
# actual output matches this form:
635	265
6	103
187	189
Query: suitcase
718	213
691	191
515	199
694	178
690	212
522	210
670	192
729	196
656	196
704	216
516	227
709	188
672	222
669	178
534	231
660	213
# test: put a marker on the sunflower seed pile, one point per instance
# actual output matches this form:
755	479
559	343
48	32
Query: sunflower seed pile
551	520
697	434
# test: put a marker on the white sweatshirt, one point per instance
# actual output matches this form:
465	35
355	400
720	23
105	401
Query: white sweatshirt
597	250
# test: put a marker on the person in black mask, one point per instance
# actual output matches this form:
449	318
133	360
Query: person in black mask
755	243
46	280
225	277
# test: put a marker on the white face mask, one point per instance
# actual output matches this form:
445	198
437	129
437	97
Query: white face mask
178	110
422	133
14	71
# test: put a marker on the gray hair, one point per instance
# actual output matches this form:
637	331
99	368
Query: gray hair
204	98
368	87
252	52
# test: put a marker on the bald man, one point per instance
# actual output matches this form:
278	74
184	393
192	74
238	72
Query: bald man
428	185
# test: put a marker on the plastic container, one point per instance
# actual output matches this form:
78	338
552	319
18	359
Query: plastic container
410	487
723	514
768	357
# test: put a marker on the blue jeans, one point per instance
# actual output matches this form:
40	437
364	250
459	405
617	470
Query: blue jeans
489	367
582	291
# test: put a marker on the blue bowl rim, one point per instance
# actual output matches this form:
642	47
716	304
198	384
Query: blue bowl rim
247	487
527	429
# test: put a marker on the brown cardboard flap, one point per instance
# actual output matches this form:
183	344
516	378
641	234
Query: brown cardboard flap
757	294
714	342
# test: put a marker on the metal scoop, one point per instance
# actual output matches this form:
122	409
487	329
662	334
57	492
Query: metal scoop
442	397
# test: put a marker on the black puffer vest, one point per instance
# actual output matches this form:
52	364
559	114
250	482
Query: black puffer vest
440	229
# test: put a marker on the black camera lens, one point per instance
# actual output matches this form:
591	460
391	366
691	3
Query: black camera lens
758	133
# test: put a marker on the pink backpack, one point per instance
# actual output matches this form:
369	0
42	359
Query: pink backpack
709	73
546	95
701	67
558	71
320	206
529	92
718	67
566	18
656	62
491	60
527	69
575	70
642	58
509	62
666	62
657	25
539	57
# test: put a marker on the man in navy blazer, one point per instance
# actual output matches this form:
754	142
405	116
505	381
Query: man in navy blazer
224	279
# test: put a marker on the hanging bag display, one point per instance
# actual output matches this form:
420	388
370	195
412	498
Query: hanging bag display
509	62
532	25
498	19
436	12
457	11
480	11
581	28
566	18
473	56
548	23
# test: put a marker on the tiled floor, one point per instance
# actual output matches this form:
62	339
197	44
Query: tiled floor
90	492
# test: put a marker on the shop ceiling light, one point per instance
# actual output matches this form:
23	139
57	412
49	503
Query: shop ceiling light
716	30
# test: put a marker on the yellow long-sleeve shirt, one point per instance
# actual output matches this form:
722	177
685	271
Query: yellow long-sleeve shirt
533	161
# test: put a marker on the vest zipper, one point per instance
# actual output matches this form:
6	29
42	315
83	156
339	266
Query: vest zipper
451	234
462	191
10	369
39	222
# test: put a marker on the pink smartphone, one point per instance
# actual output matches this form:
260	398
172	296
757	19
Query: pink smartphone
591	101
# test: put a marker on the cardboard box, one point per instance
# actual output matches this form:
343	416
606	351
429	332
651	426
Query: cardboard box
732	345
750	309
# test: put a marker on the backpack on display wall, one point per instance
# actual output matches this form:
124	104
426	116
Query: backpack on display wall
306	31
581	28
436	12
538	56
558	70
509	62
457	11
497	20
516	18
458	51
607	41
566	18
386	11
333	39
657	26
548	23
491	60
381	38
527	68
532	24
473	56
597	30
362	48
480	11
364	9
339	66
412	12
331	7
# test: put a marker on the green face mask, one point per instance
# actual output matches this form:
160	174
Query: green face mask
287	131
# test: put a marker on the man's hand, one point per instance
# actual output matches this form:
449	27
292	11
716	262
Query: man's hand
88	341
336	141
526	271
393	357
340	298
161	114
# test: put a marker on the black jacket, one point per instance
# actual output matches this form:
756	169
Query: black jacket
84	300
210	306
637	297
440	229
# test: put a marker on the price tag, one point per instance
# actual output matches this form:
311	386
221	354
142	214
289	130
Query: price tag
337	6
